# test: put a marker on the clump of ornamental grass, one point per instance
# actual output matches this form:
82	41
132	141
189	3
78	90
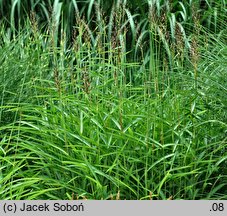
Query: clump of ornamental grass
87	122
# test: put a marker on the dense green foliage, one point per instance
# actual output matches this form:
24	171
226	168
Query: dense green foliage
125	100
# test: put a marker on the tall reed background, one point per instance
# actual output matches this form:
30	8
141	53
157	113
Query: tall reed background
113	99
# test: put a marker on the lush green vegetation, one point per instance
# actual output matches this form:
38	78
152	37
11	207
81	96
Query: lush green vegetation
117	100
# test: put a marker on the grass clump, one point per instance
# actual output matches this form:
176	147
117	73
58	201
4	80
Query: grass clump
96	118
